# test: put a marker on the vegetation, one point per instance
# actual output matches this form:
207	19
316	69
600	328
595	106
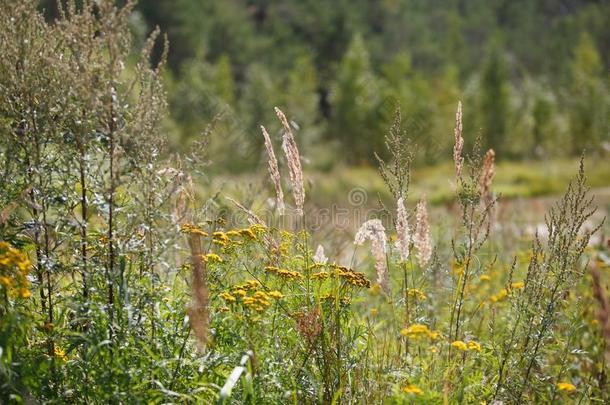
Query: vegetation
123	280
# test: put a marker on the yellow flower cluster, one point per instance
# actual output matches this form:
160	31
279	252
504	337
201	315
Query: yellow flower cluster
460	345
211	258
190	228
564	386
286	274
352	277
60	354
419	330
344	301
258	300
415	293
412	389
14	268
220	238
503	293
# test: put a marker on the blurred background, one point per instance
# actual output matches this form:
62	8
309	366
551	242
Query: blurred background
533	77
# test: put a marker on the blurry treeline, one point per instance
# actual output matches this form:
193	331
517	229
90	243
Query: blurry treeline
534	74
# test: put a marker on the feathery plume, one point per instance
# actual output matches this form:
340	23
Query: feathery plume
402	230
294	162
274	172
320	256
374	231
487	175
459	142
421	239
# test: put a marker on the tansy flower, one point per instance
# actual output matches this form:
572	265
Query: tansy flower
419	330
518	285
484	277
415	293
458	344
564	386
60	354
239	293
227	297
412	389
212	258
24	293
474	346
499	296
275	294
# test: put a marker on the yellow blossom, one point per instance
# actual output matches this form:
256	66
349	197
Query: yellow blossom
212	258
412	389
565	386
275	294
60	354
518	285
484	277
227	297
474	346
458	344
24	293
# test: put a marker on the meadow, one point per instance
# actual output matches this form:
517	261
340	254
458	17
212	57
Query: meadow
131	273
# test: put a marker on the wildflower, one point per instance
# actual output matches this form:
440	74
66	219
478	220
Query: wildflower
232	233
322	275
459	142
518	285
212	258
458	344
60	353
193	229
565	386
239	293
274	172
499	296
433	349
421	239
484	277
275	294
415	293
412	389
227	297
374	311
294	162
320	257
24	293
248	233
5	281
474	346
419	330
402	229
375	232
220	238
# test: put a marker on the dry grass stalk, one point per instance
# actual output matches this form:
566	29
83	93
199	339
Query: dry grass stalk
198	310
374	231
487	175
421	239
402	230
294	162
459	142
274	172
603	312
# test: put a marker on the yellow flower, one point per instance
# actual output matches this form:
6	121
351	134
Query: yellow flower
564	386
415	293
275	294
474	346
247	233
412	389
374	311
212	258
499	296
484	277
5	281
24	293
60	354
518	285
227	297
433	349
419	330
239	292
458	344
